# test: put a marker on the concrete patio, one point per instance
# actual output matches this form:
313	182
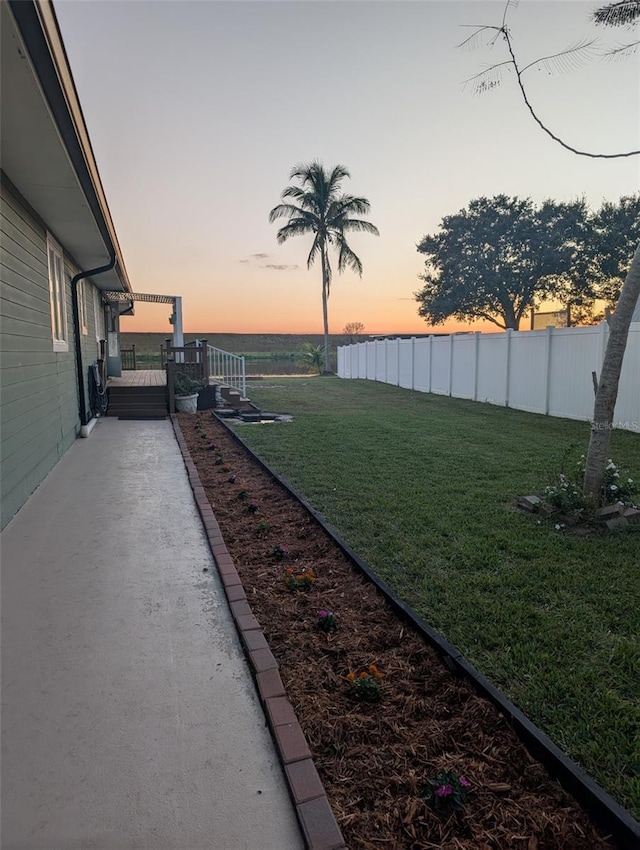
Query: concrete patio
129	719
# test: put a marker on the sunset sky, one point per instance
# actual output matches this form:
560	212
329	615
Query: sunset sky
197	112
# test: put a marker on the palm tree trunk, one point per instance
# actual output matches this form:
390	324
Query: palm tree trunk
325	312
607	391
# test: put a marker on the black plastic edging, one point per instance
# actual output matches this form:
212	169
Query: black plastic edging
601	807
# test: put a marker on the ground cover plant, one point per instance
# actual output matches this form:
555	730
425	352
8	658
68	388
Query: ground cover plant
423	488
410	756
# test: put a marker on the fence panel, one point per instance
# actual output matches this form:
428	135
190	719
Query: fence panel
405	363
492	369
440	363
548	371
463	366
528	368
422	366
576	353
627	412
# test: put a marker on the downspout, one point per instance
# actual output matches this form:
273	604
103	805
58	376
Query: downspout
77	334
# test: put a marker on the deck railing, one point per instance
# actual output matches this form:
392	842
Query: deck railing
228	369
128	358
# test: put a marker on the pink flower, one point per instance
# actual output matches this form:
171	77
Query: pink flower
444	791
322	613
464	782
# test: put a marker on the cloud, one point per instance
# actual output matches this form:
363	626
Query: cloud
261	256
243	261
280	268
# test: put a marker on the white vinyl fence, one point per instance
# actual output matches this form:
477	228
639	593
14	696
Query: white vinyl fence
546	371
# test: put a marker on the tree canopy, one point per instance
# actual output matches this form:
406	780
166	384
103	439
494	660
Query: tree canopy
495	258
501	256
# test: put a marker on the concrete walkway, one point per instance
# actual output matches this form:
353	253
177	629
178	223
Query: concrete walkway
129	715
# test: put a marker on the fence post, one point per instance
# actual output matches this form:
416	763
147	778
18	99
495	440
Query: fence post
170	385
547	368
413	362
205	360
508	333
476	358
386	364
430	362
450	364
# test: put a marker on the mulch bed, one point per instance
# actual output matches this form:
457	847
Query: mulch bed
375	759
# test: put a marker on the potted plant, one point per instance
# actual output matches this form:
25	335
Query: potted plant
186	391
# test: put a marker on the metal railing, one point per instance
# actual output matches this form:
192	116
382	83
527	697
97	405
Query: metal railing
227	368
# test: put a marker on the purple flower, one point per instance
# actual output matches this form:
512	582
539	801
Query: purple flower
444	791
464	782
232	477
322	614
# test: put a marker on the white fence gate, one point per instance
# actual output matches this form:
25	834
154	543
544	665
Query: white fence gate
546	371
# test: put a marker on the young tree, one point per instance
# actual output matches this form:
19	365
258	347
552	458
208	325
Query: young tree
353	330
496	258
623	13
318	207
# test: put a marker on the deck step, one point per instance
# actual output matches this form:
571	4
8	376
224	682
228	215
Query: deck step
136	402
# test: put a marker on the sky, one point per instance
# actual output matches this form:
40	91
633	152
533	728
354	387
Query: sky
198	111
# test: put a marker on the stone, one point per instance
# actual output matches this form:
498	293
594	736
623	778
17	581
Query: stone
616	522
529	503
609	511
632	514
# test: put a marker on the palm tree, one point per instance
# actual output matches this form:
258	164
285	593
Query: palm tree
317	206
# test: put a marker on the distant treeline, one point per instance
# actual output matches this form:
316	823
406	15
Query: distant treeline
265	354
149	343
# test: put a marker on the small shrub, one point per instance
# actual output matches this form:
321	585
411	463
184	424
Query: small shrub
243	494
326	620
252	508
367	685
232	478
565	494
263	527
447	791
280	551
301	580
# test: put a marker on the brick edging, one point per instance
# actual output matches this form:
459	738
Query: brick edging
318	823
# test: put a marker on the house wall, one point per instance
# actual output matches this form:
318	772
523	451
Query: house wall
39	417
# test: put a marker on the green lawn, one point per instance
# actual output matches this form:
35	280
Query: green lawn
423	487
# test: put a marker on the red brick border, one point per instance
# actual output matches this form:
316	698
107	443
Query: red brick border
318	823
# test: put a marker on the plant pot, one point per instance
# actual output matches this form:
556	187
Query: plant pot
187	403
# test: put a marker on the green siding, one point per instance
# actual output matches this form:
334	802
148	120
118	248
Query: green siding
38	387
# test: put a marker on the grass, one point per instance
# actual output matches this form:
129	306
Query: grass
423	487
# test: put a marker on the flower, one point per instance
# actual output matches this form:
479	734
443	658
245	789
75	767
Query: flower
464	782
374	671
444	791
351	677
322	613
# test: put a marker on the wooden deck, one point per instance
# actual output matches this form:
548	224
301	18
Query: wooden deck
140	378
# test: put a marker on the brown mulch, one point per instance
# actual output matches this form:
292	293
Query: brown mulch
375	758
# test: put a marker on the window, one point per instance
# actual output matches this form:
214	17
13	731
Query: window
57	296
82	308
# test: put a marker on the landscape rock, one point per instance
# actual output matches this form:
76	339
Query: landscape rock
632	515
610	511
529	503
616	522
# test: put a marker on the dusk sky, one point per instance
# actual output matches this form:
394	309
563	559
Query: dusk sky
197	112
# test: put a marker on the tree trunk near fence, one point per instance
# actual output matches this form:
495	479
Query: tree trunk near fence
607	392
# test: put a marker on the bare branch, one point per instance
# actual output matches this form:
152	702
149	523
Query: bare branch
626	11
